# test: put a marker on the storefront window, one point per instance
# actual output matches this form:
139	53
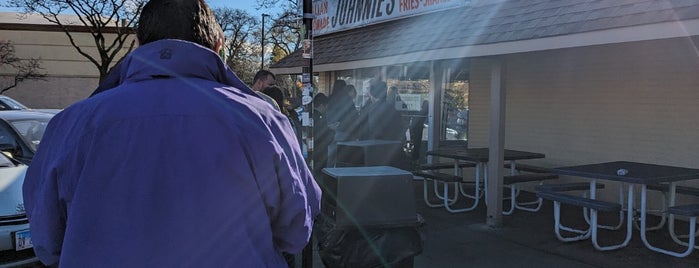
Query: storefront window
409	90
455	100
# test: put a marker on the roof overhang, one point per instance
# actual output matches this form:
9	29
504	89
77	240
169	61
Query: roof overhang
665	30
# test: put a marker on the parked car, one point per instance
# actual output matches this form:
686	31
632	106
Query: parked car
21	132
15	239
20	135
7	103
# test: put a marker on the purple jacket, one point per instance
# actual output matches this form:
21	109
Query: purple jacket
181	165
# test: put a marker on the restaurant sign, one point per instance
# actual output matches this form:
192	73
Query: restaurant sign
338	15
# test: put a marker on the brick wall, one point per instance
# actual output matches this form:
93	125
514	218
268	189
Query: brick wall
70	76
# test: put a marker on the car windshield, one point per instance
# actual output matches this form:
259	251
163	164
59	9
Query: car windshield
11	104
31	130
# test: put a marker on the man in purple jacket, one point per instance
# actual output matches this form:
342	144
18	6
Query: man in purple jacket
179	165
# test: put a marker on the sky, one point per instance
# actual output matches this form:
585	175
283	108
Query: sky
247	5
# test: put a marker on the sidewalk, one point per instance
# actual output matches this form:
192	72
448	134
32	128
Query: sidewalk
527	239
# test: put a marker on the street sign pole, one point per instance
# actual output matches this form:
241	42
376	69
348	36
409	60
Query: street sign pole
307	97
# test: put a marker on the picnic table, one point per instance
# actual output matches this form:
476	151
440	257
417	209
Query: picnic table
634	173
480	156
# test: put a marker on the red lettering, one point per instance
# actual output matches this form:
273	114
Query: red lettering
320	8
406	5
434	2
320	23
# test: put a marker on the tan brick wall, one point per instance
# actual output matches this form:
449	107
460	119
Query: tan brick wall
70	76
635	102
54	92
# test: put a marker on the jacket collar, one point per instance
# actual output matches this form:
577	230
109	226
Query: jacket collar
172	58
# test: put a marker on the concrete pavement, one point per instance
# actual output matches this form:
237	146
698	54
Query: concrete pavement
527	239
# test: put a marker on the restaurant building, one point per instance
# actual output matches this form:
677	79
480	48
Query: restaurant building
583	81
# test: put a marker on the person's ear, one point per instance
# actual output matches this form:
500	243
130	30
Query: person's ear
219	45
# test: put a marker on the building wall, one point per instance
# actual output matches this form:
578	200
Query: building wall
634	101
70	76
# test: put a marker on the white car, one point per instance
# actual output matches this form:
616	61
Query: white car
15	238
20	134
7	104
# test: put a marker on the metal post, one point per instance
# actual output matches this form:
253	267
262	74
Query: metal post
262	41
496	143
307	81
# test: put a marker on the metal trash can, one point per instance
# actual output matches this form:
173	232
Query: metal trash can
369	218
368	153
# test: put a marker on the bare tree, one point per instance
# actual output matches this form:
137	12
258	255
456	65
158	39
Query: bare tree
285	34
285	4
240	28
25	69
98	18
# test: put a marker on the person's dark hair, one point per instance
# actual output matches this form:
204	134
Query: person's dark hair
351	90
276	93
320	99
339	94
262	74
338	85
377	88
188	20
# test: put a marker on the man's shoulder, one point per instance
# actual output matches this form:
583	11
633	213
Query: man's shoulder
268	99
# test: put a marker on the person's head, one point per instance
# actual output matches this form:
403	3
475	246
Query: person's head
339	96
188	20
263	79
338	85
377	90
277	94
352	91
320	102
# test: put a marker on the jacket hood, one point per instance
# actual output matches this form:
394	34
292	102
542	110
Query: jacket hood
172	58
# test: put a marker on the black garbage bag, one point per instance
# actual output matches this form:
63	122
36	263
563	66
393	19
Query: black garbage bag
385	246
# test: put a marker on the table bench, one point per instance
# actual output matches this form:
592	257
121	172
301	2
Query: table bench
437	166
664	188
530	168
685	190
512	182
446	179
567	187
594	205
578	186
691	211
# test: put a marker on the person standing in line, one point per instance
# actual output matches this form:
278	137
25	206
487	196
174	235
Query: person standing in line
383	122
264	79
393	96
342	119
417	127
277	95
181	165
352	91
352	122
322	134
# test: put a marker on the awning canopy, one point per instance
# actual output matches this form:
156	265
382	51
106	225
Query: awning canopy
503	27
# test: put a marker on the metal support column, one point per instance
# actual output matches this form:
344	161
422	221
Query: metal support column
496	143
307	81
